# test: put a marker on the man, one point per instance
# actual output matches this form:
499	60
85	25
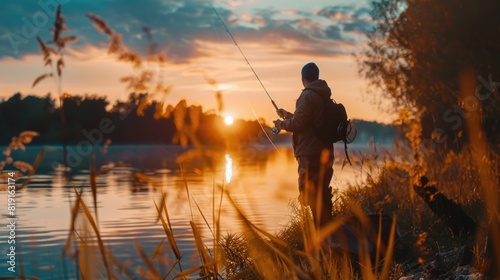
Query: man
314	156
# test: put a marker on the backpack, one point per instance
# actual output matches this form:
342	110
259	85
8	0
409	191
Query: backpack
336	126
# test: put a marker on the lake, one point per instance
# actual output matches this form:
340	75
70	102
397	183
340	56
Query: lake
262	180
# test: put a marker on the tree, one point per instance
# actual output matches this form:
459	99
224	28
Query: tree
18	114
10	111
424	54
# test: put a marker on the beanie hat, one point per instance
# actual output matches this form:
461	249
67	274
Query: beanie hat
310	72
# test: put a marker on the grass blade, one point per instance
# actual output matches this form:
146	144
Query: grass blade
38	160
203	216
41	77
121	266
157	250
96	230
171	269
187	272
282	257
74	213
202	250
390	250
147	261
162	205
93	185
187	191
170	235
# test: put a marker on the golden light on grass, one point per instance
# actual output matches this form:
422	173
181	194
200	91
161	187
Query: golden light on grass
228	120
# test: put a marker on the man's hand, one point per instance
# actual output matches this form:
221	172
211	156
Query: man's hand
277	124
282	113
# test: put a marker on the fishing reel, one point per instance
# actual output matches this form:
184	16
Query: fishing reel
275	130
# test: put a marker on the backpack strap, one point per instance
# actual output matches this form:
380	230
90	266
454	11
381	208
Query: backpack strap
346	154
341	128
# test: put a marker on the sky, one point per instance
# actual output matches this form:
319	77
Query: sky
277	37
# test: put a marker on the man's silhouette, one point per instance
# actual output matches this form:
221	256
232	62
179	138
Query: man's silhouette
314	155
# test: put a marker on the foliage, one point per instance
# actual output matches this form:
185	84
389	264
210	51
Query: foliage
18	143
388	189
439	60
21	168
18	114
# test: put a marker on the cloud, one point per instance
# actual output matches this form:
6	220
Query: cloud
337	13
179	28
333	32
358	26
354	21
299	32
174	24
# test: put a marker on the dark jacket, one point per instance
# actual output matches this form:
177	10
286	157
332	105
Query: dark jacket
307	118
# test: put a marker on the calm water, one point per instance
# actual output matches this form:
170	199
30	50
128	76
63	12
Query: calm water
261	180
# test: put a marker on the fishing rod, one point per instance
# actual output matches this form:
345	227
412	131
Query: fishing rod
244	56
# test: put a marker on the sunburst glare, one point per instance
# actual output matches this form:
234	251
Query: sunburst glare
229	120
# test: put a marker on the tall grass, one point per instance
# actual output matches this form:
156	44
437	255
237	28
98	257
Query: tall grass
297	252
59	42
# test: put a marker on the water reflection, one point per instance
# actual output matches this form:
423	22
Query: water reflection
262	187
229	168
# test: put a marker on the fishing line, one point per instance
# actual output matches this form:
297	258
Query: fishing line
243	54
215	27
255	73
263	129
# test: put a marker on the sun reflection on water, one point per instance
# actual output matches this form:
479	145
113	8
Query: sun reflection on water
229	168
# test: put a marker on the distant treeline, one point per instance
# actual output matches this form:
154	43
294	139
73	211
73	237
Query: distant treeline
375	132
92	118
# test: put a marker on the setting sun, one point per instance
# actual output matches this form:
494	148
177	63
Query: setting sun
228	120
